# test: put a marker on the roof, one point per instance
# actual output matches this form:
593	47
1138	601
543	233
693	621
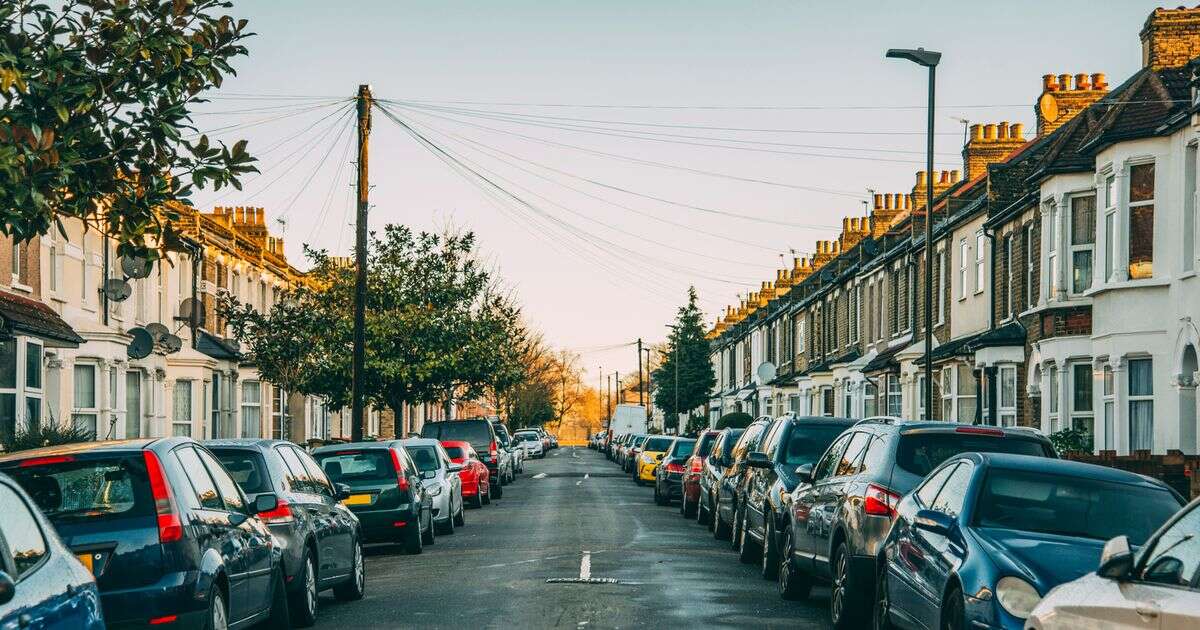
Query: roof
1010	334
26	316
885	360
354	445
1141	105
953	348
419	441
216	347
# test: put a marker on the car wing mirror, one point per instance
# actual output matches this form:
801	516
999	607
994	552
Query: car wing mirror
454	468
758	460
934	522
429	474
804	473
343	491
8	588
265	502
1116	560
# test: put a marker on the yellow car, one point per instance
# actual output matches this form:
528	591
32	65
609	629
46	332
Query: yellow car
653	450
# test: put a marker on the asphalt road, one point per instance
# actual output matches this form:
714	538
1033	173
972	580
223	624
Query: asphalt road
572	505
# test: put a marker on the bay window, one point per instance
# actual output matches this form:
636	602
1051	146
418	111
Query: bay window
20	386
1141	404
1141	221
1082	418
848	401
1007	398
870	403
827	401
1110	226
1052	253
960	393
85	412
980	272
1110	421
1051	395
133	404
181	408
894	396
1083	240
1030	268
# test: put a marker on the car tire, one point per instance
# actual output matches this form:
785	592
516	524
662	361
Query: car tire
794	583
702	515
429	536
499	491
279	617
303	600
953	611
460	519
748	550
413	540
721	530
659	499
218	611
845	592
445	527
769	555
355	587
881	618
487	496
735	529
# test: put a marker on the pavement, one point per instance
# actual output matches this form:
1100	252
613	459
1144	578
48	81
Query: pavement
569	515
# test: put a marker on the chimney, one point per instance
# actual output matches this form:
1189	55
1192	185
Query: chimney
887	208
1170	38
989	144
943	181
800	270
1064	96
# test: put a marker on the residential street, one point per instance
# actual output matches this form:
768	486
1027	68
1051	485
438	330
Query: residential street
493	572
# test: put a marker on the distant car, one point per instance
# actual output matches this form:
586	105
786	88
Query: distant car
531	443
475	477
169	535
482	436
653	448
668	477
1160	583
846	502
40	579
386	492
320	538
1015	527
630	453
508	462
440	476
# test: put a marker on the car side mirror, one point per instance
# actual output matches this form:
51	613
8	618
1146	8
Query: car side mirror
804	473
8	588
757	459
429	474
1116	560
343	491
454	468
934	522
265	502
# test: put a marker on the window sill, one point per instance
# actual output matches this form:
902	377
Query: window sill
1187	274
23	288
1147	283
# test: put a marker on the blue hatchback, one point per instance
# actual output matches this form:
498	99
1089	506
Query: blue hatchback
985	536
42	584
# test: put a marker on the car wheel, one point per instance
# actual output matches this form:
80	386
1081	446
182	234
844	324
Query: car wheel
659	498
218	613
429	537
770	550
303	600
747	549
794	584
487	496
882	613
498	491
445	527
721	529
279	618
735	527
413	540
460	519
845	607
953	613
702	515
354	588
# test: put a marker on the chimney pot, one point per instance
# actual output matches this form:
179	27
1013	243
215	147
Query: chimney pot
1099	81
1081	82
1002	130
907	202
1017	131
1049	84
1064	81
878	201
977	131
989	132
945	177
920	178
845	224
954	175
887	201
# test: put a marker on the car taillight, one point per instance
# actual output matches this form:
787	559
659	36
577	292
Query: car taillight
170	527
697	464
492	451
281	514
401	479
675	467
46	461
980	431
880	501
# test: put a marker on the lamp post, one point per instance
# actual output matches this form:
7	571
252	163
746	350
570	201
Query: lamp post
928	59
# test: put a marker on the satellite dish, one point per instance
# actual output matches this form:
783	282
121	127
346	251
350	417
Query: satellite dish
766	372
141	345
190	309
136	266
172	344
1048	107
158	331
117	290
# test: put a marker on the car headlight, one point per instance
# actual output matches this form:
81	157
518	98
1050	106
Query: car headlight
1017	596
435	491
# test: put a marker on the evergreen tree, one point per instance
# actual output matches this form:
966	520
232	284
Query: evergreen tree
686	361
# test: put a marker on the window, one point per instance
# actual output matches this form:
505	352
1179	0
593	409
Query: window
1141	404
55	274
826	466
855	293
1109	409
201	481
279	414
870	404
1082	419
1007	404
848	401
827	401
133	404
849	462
17	246
894	396
1030	267
948	393
1052	393
800	339
1175	557
980	273
231	495
962	268
1006	304
86	411
880	309
953	495
921	397
1110	227
928	491
20	530
181	412
85	292
1083	241
1052	252
1141	221
251	409
939	286
1189	208
959	393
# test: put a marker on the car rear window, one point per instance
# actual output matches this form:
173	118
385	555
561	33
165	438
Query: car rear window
425	457
657	444
246	468
350	467
807	442
683	448
705	444
527	437
475	432
920	453
91	489
455	452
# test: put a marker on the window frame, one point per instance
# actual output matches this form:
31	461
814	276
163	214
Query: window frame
256	405
1054	390
1131	206
1031	296
176	423
1111	234
1073	248
1006	414
1108	399
1079	415
894	391
980	262
1052	259
78	411
1133	399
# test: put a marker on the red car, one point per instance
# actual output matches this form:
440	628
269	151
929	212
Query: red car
691	472
476	480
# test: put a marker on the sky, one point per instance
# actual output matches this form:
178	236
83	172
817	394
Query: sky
633	148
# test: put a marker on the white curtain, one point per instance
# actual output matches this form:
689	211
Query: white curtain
1141	411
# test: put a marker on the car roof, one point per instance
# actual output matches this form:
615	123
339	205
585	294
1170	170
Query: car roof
245	443
357	445
416	441
1063	467
106	446
457	443
935	426
846	422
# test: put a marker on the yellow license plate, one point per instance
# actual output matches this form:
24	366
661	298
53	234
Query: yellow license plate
357	499
86	559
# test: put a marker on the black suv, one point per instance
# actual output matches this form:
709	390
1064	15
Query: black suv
728	514
169	535
843	508
482	437
320	538
710	476
790	442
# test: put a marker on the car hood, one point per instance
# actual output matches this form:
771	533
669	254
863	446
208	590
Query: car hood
1047	559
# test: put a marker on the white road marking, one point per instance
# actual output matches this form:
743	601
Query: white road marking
585	566
540	476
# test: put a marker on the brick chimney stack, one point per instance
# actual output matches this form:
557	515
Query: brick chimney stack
887	208
801	269
1170	38
990	144
1064	96
945	179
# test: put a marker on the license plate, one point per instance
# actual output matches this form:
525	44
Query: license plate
357	499
86	559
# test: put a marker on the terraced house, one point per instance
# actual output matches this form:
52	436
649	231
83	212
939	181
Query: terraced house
1065	276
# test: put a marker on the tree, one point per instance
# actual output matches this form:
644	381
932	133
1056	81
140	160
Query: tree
685	362
735	420
96	98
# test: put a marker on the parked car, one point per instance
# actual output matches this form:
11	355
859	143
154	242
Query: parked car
482	437
845	503
168	534
442	483
518	456
319	538
790	442
668	476
40	578
386	492
727	513
710	476
475	477
508	462
632	451
553	441
531	443
1013	526
1131	590
692	469
647	457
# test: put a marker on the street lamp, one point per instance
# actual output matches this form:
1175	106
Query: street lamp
929	59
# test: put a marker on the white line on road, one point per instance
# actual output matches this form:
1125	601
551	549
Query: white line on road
540	476
585	566
585	478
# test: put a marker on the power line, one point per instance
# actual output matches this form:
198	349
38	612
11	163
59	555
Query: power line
261	121
312	175
731	107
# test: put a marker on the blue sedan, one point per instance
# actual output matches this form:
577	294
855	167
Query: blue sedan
985	536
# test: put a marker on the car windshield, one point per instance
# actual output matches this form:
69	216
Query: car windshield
683	448
88	489
1072	506
246	467
920	453
657	444
425	457
705	443
807	442
366	466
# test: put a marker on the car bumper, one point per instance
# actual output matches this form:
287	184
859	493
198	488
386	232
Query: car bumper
178	594
645	472
380	525
441	506
691	488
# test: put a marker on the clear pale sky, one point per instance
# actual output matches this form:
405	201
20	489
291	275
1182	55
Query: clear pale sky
616	287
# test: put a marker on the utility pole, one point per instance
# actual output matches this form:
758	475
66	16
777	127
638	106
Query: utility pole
620	394
641	383
360	267
650	403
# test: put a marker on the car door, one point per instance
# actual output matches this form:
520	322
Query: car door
761	479
422	502
1166	584
807	520
453	479
832	492
941	553
335	531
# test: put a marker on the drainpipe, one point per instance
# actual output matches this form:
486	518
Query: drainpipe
988	374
